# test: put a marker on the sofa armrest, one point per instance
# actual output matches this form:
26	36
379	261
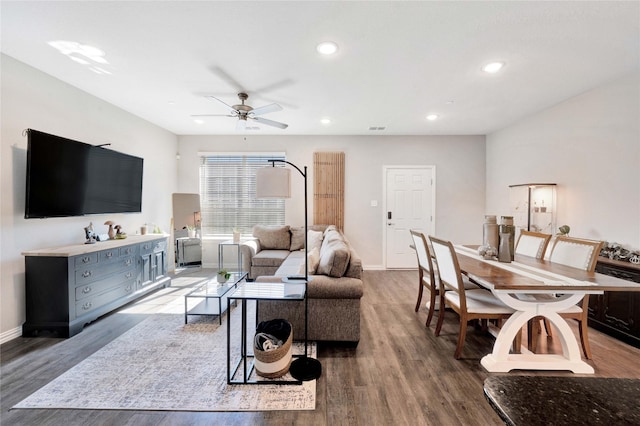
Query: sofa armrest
249	249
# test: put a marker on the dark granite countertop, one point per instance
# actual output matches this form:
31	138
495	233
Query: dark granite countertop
547	400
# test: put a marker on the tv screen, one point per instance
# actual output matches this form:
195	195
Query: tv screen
71	178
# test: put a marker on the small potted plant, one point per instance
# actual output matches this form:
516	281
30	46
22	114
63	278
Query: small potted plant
564	230
191	231
236	235
223	275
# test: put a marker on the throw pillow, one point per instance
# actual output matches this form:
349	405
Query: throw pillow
313	258
314	239
273	237
297	238
334	258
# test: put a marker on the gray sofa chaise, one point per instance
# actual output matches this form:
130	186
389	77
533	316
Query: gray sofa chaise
334	291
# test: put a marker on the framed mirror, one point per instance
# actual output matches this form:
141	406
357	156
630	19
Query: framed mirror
186	229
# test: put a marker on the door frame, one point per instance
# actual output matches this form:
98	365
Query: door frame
385	169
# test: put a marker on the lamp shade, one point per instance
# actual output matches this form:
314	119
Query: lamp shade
273	182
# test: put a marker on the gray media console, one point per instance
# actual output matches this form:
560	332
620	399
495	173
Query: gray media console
68	287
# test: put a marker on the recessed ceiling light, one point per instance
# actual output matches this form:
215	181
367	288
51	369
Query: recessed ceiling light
198	121
325	120
432	117
493	67
327	48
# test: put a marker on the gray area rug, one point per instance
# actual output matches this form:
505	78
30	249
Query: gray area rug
163	364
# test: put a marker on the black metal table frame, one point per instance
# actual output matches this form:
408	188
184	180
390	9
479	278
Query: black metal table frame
244	355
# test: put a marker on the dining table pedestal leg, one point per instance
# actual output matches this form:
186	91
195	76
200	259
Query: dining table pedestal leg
500	360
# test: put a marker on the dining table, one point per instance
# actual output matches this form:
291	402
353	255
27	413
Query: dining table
516	284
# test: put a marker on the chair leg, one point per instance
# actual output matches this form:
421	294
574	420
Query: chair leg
420	289
461	336
547	327
432	307
584	338
440	316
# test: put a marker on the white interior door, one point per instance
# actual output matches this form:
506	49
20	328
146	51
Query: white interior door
409	204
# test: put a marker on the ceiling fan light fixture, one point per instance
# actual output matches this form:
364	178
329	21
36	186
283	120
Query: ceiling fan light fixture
327	48
493	67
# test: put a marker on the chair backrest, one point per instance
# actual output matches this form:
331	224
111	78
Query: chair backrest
423	252
532	244
448	268
576	252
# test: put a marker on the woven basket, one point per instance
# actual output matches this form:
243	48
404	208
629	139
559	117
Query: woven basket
274	363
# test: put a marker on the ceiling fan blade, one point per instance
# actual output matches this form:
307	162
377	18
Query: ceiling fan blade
212	115
266	109
270	122
228	107
241	125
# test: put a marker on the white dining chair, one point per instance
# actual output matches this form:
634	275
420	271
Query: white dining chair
468	303
426	276
534	244
581	254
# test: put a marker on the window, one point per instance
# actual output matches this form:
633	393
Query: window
228	193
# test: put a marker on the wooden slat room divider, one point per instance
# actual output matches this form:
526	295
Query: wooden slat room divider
328	188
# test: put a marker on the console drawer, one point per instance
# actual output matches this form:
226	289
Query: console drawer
98	271
91	289
89	304
86	259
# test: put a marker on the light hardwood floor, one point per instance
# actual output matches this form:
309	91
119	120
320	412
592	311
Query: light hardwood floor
400	373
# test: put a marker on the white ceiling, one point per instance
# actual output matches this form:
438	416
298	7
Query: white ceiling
397	62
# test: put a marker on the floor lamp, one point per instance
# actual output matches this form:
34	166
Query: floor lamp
275	182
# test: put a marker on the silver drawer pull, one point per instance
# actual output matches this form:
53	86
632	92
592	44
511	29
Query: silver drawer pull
86	290
87	306
86	259
128	288
128	275
128	262
109	254
86	274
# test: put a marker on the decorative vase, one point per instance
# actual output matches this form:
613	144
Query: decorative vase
490	236
504	251
236	237
191	233
506	225
222	278
111	232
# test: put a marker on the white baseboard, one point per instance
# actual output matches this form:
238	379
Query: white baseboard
10	334
373	267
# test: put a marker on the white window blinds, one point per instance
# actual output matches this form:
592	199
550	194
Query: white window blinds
228	193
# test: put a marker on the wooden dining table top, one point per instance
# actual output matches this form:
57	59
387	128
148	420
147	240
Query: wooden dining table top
503	279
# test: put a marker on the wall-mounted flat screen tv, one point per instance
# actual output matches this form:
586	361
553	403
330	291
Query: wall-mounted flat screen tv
71	178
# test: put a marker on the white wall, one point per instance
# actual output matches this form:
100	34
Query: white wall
590	146
32	99
460	176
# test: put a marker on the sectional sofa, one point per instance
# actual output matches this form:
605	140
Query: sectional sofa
335	288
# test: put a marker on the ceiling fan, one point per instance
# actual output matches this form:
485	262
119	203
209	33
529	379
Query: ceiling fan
246	112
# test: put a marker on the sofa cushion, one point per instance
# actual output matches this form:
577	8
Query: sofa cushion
334	255
270	257
273	237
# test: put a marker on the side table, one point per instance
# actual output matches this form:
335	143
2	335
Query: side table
221	247
209	292
257	291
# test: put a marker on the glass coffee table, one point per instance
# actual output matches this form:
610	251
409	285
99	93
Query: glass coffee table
210	298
